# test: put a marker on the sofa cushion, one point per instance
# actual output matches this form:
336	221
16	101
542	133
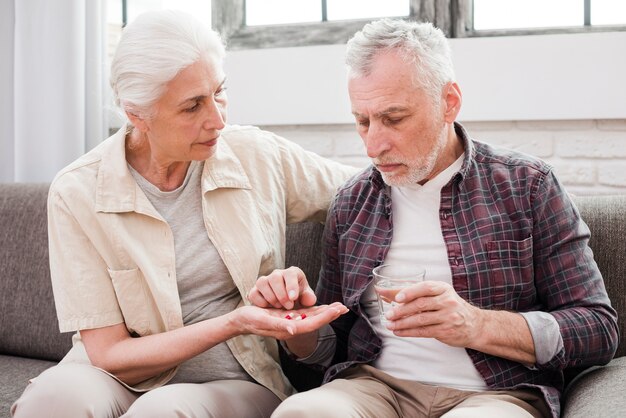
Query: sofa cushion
15	372
590	396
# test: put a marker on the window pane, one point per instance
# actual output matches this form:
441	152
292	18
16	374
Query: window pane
199	8
114	27
271	12
608	12
511	14
136	7
363	9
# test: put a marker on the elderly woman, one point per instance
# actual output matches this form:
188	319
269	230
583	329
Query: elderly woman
157	235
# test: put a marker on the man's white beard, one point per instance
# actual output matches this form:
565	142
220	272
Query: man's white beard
418	169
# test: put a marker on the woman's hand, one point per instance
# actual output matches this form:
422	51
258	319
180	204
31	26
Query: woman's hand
133	360
286	289
272	322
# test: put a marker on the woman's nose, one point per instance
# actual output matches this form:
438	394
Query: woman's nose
216	117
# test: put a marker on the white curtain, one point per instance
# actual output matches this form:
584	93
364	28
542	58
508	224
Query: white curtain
51	85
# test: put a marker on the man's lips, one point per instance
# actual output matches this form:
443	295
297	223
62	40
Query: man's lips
386	168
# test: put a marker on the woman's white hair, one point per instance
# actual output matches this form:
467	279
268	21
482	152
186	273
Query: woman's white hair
419	43
153	49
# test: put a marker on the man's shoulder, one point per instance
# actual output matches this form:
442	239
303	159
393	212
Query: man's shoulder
358	184
504	158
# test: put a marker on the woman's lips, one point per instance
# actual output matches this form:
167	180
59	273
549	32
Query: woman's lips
209	143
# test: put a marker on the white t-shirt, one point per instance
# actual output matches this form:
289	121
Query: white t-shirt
418	240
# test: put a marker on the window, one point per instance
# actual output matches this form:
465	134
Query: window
608	12
321	21
127	10
268	23
120	12
507	15
269	12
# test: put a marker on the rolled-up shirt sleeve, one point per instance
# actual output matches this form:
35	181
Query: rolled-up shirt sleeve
324	351
546	335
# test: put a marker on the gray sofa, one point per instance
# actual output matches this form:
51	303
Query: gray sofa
30	341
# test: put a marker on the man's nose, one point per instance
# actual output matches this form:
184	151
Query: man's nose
376	141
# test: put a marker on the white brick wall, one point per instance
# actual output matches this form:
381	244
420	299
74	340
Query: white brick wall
589	156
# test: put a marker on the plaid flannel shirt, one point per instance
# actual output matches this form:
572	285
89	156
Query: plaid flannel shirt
515	242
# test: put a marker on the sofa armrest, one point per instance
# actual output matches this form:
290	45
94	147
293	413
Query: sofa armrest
597	392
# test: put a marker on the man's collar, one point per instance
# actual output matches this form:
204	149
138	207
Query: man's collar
468	146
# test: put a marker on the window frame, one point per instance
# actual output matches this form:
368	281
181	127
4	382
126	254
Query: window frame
228	18
454	17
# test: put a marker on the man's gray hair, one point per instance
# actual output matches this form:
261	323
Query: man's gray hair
419	43
153	49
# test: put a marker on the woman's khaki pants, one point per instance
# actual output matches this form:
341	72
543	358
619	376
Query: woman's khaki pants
78	390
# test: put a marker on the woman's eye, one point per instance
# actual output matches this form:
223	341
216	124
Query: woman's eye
220	91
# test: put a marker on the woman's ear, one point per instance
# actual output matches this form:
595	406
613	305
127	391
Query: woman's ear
452	100
137	121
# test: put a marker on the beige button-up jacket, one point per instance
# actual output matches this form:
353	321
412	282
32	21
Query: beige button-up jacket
112	255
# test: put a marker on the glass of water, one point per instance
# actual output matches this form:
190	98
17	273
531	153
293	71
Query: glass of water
389	279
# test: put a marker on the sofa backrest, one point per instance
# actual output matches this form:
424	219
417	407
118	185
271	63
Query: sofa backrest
28	321
28	325
606	217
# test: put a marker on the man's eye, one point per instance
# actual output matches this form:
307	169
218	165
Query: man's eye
394	121
193	108
220	91
363	123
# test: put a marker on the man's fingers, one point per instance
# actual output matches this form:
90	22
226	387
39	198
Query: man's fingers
420	320
264	287
257	299
308	297
282	289
278	286
293	277
427	288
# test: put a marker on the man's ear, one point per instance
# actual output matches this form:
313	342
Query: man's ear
137	121
452	100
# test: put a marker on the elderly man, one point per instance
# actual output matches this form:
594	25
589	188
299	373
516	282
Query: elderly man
512	294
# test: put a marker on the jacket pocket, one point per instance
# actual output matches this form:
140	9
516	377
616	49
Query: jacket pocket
132	298
511	273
